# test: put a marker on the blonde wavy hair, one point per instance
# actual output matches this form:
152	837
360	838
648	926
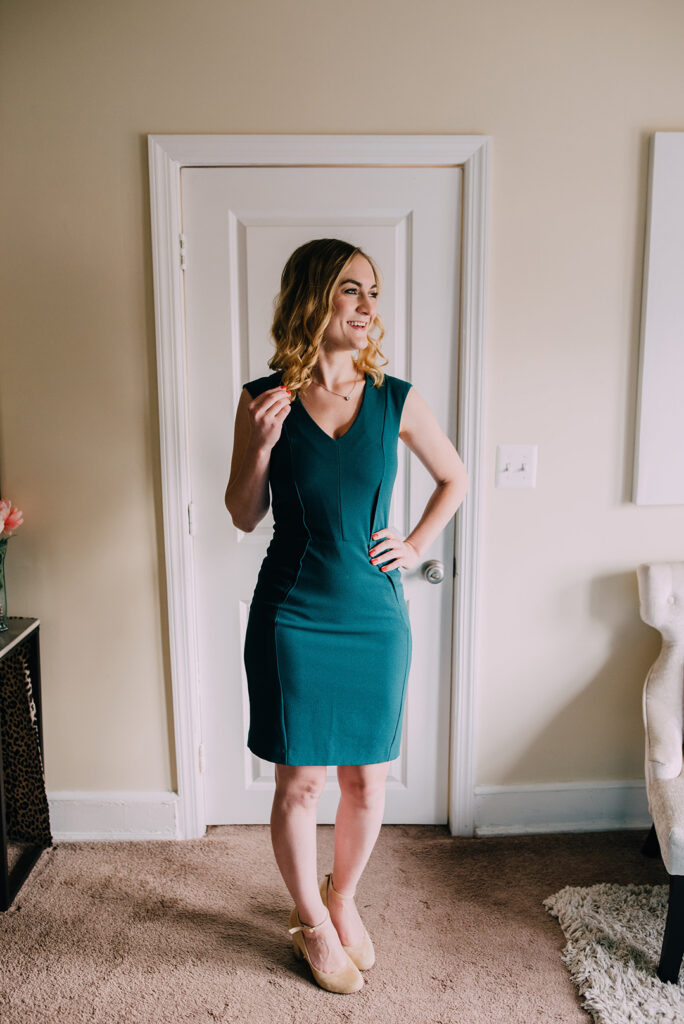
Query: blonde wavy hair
303	309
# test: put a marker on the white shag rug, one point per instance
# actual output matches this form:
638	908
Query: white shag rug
615	933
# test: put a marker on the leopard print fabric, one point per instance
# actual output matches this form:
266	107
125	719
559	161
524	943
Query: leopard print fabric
27	814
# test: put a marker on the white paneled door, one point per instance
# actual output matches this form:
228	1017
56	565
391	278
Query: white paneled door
239	226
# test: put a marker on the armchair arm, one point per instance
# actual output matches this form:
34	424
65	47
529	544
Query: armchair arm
663	713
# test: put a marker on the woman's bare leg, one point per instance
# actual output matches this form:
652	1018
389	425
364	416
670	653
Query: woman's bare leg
293	835
357	826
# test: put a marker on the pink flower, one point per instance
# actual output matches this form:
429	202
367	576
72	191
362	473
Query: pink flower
10	518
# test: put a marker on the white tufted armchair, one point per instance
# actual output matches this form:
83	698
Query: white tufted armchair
661	596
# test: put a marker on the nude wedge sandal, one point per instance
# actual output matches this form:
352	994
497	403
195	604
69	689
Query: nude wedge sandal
349	979
362	955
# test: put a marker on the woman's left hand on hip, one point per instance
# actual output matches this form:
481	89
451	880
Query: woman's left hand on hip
393	552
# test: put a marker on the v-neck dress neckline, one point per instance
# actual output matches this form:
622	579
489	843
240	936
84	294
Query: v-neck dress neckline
359	414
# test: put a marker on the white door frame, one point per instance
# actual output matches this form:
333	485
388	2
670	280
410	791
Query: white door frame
167	155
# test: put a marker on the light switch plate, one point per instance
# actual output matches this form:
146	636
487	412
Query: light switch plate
516	465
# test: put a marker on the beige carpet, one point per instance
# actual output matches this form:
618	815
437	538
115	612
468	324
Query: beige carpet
197	931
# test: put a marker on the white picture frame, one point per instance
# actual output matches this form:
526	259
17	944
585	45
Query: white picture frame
659	448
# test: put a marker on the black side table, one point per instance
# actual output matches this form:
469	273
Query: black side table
24	812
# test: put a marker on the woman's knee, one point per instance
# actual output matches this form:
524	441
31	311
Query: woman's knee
299	786
363	784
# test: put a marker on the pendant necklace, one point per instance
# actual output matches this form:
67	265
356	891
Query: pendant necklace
346	397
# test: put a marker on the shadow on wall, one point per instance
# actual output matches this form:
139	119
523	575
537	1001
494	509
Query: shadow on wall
599	733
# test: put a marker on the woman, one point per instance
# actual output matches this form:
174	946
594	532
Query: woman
328	639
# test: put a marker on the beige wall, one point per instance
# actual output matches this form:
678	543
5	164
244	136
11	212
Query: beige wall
569	94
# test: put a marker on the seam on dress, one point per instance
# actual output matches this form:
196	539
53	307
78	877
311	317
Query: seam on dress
388	574
403	693
340	518
384	470
287	596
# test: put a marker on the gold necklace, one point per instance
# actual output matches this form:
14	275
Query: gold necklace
346	397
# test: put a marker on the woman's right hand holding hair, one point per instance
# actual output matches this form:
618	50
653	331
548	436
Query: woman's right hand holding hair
267	413
258	425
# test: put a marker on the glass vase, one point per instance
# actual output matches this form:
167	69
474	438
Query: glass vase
3	588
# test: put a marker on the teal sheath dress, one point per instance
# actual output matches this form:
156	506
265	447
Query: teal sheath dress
328	640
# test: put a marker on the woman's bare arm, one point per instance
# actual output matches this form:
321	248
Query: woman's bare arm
258	423
420	431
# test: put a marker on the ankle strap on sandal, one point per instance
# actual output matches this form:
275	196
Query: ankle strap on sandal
308	927
340	894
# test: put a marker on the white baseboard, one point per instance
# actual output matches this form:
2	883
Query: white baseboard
113	817
499	810
560	807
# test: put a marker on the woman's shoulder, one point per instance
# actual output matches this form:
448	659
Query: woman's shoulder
397	387
260	384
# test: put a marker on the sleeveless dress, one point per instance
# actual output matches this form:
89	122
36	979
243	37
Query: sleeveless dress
328	641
